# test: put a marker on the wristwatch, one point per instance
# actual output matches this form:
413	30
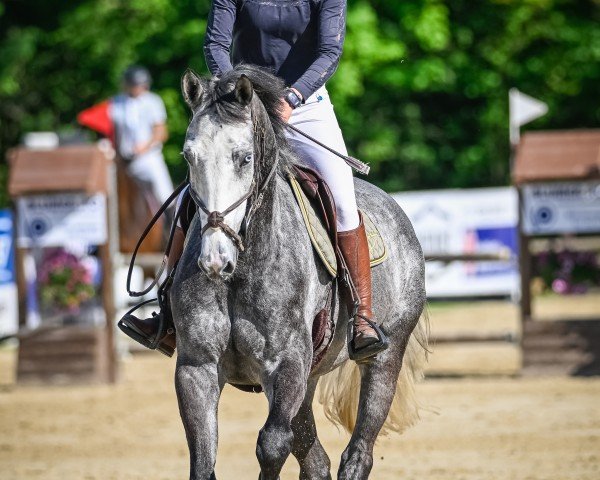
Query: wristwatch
292	98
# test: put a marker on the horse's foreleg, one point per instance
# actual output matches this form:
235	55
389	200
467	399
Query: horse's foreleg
198	391
378	385
314	462
285	390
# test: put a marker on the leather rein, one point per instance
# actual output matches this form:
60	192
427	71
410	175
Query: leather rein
215	220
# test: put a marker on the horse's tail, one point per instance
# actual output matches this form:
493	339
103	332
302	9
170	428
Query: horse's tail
340	390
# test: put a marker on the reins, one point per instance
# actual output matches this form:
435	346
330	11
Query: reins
151	224
215	220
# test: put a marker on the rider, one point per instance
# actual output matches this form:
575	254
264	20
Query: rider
139	118
302	42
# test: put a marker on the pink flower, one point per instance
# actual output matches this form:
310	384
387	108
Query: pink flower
65	280
560	286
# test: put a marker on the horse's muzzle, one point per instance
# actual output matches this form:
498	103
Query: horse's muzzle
216	267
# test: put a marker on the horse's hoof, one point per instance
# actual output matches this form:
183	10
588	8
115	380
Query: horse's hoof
213	476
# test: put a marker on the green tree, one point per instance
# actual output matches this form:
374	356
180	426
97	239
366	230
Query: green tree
421	92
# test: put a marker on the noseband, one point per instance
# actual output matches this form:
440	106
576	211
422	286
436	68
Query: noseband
216	219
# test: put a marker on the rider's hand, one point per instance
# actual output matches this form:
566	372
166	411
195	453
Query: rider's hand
287	105
285	110
140	148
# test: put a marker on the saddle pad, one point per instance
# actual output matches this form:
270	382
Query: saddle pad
320	238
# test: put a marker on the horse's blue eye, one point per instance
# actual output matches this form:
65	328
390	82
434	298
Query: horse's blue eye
248	158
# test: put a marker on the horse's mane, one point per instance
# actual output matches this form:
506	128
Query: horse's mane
270	90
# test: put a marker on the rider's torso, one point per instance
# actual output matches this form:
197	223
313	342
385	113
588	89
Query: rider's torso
277	34
134	120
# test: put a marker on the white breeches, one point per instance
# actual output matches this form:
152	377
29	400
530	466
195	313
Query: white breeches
317	118
152	169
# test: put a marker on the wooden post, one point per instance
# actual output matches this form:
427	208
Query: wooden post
107	252
524	264
109	309
21	280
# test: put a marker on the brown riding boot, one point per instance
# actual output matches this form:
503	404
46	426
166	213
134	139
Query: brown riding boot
155	333
367	339
158	331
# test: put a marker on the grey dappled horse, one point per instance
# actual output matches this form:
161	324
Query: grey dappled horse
245	317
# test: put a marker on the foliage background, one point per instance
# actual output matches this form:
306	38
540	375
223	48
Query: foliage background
421	92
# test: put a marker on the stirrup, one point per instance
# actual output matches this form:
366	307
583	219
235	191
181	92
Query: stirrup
367	353
156	343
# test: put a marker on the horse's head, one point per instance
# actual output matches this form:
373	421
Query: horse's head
220	146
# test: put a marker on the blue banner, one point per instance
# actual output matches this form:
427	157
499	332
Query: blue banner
7	252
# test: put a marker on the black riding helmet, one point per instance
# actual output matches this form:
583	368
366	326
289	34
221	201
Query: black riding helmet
136	75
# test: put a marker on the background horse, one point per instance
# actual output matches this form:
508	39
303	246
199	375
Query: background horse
137	205
245	317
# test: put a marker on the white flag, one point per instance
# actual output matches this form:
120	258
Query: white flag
522	109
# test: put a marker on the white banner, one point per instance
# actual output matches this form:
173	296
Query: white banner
457	222
561	207
61	219
8	289
9	323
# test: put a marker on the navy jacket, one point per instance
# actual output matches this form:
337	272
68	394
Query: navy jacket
299	40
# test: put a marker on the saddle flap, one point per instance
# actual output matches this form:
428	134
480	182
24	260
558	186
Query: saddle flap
317	220
307	178
317	190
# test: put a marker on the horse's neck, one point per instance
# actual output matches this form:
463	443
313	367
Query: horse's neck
266	227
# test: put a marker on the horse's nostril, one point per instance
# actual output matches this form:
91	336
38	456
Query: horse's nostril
228	268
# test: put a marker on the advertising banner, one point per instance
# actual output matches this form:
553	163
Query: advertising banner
462	222
561	207
7	256
8	290
60	219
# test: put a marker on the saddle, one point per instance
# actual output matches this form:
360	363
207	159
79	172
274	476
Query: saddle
318	211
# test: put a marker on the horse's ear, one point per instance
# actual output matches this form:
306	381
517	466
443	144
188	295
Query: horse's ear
243	90
191	86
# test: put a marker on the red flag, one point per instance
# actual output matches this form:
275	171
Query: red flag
98	118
